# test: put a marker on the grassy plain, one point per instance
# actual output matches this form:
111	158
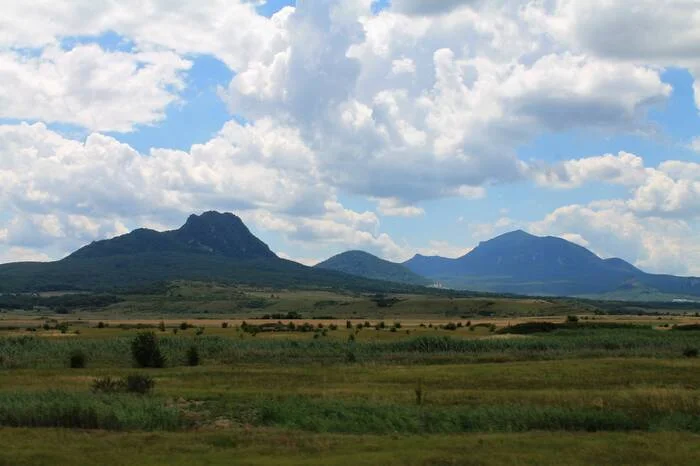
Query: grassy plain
611	388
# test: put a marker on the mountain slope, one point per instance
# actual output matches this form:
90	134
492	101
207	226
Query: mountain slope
210	233
366	265
518	262
211	246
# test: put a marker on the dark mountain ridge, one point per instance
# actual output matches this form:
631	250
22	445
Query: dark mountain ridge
214	233
518	262
210	247
366	265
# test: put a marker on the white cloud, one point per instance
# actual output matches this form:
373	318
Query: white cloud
392	207
624	169
639	32
89	87
18	254
695	145
611	230
443	249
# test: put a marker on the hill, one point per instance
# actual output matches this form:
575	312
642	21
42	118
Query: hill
518	262
209	247
366	265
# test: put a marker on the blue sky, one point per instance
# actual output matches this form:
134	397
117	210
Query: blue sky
394	128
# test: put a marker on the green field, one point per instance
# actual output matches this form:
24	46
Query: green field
350	379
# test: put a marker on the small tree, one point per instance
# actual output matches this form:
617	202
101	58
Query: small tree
193	356
146	350
77	359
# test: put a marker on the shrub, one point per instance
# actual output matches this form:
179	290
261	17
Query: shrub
146	351
138	383
107	385
184	326
397	325
101	325
351	337
199	331
193	356
350	357
690	352
348	324
161	326
572	319
77	360
224	324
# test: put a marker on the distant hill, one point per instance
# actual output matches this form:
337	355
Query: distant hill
211	233
518	262
366	265
211	247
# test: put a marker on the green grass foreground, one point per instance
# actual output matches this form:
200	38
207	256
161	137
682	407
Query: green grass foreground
56	447
577	394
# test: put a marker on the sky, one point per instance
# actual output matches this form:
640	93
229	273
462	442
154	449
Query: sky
395	127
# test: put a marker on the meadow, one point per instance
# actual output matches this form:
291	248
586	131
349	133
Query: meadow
275	377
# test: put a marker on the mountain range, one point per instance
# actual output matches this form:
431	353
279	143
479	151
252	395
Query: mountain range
521	263
218	246
212	246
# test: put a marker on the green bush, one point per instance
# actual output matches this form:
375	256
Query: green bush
77	360
138	383
193	356
146	351
690	352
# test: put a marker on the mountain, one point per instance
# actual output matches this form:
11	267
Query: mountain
366	265
211	247
210	233
518	262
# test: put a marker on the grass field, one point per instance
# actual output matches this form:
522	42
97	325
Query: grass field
596	389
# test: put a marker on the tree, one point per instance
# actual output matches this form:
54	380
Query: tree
146	350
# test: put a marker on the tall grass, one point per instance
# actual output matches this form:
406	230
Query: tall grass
319	415
87	411
37	352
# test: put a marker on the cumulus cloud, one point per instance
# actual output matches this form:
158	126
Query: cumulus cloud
639	32
624	169
694	145
89	87
65	192
611	230
420	101
392	207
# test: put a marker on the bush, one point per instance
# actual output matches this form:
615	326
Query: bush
77	360
199	331
184	326
348	324
107	385
193	356
224	324
137	383
690	352
572	319
161	326
146	350
350	357
101	325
